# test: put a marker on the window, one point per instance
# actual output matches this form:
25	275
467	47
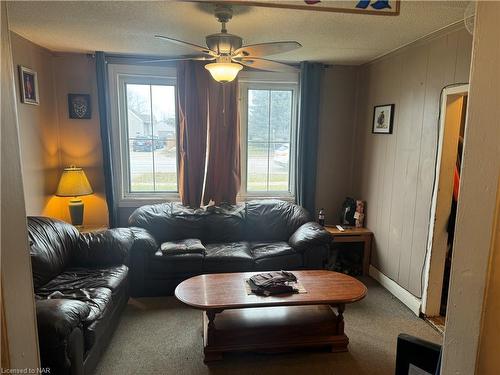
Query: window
151	130
144	140
144	132
268	121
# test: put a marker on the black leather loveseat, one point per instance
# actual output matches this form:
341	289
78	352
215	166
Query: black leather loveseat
81	287
254	236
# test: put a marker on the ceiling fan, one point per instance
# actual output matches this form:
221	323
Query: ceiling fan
230	55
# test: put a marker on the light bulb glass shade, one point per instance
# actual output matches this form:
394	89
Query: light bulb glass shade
73	183
223	72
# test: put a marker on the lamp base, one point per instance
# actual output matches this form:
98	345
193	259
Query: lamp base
76	211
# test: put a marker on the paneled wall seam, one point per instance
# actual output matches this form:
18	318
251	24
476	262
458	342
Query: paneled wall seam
418	167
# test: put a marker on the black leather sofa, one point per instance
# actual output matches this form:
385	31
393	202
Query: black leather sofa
81	287
254	236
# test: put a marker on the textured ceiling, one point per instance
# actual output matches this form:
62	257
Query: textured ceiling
129	26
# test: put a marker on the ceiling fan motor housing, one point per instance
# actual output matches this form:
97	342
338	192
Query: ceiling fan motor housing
224	43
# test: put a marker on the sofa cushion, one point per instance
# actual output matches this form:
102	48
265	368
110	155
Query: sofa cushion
74	279
99	299
166	266
51	244
274	256
170	221
281	262
225	223
228	257
187	246
100	303
103	248
261	250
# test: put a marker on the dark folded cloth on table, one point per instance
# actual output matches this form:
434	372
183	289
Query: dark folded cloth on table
276	282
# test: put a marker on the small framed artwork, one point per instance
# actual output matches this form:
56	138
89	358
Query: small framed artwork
28	83
79	106
383	118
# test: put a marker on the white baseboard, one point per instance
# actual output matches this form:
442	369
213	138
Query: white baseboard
412	302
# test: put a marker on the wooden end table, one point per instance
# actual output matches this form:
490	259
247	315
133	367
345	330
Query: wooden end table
237	321
363	235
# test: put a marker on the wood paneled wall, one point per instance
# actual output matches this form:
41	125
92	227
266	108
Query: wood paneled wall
395	173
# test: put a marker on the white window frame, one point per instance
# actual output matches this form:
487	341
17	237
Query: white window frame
267	81
119	75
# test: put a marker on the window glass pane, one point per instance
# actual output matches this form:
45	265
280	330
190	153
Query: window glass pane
163	99
138	110
151	126
257	166
269	136
281	115
141	165
165	170
258	115
279	167
164	130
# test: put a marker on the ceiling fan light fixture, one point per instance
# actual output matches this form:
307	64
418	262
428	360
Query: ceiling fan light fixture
223	72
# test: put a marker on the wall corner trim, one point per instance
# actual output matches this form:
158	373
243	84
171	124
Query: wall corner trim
412	302
455	26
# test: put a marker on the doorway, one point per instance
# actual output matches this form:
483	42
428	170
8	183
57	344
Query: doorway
445	197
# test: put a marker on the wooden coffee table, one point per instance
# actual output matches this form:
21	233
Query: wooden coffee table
237	321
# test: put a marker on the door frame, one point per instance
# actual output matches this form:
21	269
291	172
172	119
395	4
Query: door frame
451	102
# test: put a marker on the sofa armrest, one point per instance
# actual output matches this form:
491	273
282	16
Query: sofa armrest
56	319
104	248
60	335
144	247
144	241
308	235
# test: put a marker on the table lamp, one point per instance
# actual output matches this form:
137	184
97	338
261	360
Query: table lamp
74	183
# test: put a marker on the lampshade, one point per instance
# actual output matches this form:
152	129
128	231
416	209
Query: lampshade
73	183
223	71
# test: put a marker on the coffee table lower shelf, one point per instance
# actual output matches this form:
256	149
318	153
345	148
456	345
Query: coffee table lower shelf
273	329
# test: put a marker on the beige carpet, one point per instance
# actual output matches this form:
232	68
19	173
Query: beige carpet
162	336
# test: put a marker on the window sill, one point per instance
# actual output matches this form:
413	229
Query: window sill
248	197
141	201
137	201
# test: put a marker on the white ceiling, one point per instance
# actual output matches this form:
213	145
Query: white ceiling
128	27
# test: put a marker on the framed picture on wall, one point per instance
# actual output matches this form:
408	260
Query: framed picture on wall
383	118
79	106
28	84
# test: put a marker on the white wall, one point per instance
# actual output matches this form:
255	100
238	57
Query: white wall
16	278
474	231
394	173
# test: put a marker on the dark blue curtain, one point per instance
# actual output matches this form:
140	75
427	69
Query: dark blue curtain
102	84
307	140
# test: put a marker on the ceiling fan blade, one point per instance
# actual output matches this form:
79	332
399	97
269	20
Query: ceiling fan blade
264	64
184	58
266	49
189	45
